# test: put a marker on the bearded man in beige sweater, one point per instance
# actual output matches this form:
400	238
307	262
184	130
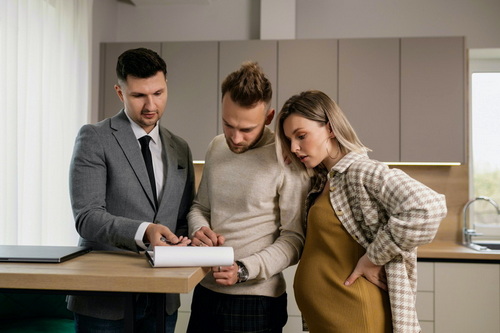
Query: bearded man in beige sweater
246	200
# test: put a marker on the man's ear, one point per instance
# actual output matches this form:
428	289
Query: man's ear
119	91
270	116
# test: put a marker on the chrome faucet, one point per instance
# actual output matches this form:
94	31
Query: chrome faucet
468	232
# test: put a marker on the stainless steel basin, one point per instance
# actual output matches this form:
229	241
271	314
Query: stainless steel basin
485	247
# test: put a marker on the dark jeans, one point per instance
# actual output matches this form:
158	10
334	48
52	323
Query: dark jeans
222	313
145	320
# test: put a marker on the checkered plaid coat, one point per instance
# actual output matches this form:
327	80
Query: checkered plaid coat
389	214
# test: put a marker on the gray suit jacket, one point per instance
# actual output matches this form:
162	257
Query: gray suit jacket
111	196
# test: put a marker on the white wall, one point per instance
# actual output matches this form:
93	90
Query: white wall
105	13
209	20
478	20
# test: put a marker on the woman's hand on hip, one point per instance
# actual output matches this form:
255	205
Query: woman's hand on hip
373	273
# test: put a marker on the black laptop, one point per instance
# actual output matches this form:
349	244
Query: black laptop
40	253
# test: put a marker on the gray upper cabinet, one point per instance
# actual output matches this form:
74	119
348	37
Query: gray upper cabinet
191	110
404	97
233	53
369	93
304	65
109	103
433	99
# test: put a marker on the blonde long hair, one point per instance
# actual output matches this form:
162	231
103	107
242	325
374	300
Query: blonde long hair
315	105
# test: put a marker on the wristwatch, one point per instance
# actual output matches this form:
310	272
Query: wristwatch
242	272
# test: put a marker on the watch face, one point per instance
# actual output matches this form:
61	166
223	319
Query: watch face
242	272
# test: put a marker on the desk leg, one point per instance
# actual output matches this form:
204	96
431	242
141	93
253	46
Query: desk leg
129	320
161	304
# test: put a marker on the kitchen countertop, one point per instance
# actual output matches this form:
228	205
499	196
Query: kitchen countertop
453	251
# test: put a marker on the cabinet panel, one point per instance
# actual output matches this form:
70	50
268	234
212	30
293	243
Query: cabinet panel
425	305
432	99
304	65
427	327
425	276
233	53
191	110
467	297
369	93
404	97
109	103
289	275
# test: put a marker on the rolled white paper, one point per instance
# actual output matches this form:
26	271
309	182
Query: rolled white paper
189	256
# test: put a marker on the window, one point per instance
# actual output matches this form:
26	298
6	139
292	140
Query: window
485	135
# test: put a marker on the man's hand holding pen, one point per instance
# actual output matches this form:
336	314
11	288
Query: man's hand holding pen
160	235
182	241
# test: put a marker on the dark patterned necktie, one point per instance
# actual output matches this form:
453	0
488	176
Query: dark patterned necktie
146	153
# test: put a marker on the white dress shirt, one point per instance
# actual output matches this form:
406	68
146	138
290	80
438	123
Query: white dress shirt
156	150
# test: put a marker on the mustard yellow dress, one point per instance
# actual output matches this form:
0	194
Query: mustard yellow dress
330	255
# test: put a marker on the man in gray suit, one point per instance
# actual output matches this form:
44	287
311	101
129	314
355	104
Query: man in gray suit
117	203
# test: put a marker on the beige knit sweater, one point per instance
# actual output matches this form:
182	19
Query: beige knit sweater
257	205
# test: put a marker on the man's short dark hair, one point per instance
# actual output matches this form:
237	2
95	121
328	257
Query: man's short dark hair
141	63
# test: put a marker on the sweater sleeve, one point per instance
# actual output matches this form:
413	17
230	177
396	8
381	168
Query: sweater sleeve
287	248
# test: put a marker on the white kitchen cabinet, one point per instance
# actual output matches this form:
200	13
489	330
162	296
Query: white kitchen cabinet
467	298
369	93
191	110
184	313
425	296
458	297
433	77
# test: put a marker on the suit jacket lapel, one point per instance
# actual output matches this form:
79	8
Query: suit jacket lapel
128	143
170	160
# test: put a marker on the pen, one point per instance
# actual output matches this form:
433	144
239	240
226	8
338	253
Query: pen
163	239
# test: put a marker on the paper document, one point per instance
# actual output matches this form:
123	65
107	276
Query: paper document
190	256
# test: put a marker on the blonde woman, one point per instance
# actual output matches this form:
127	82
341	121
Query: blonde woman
364	222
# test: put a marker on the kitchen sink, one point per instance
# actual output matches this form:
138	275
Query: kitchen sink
484	246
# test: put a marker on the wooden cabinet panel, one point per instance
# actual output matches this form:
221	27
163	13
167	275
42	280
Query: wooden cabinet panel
306	64
233	53
109	103
432	99
191	110
369	93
